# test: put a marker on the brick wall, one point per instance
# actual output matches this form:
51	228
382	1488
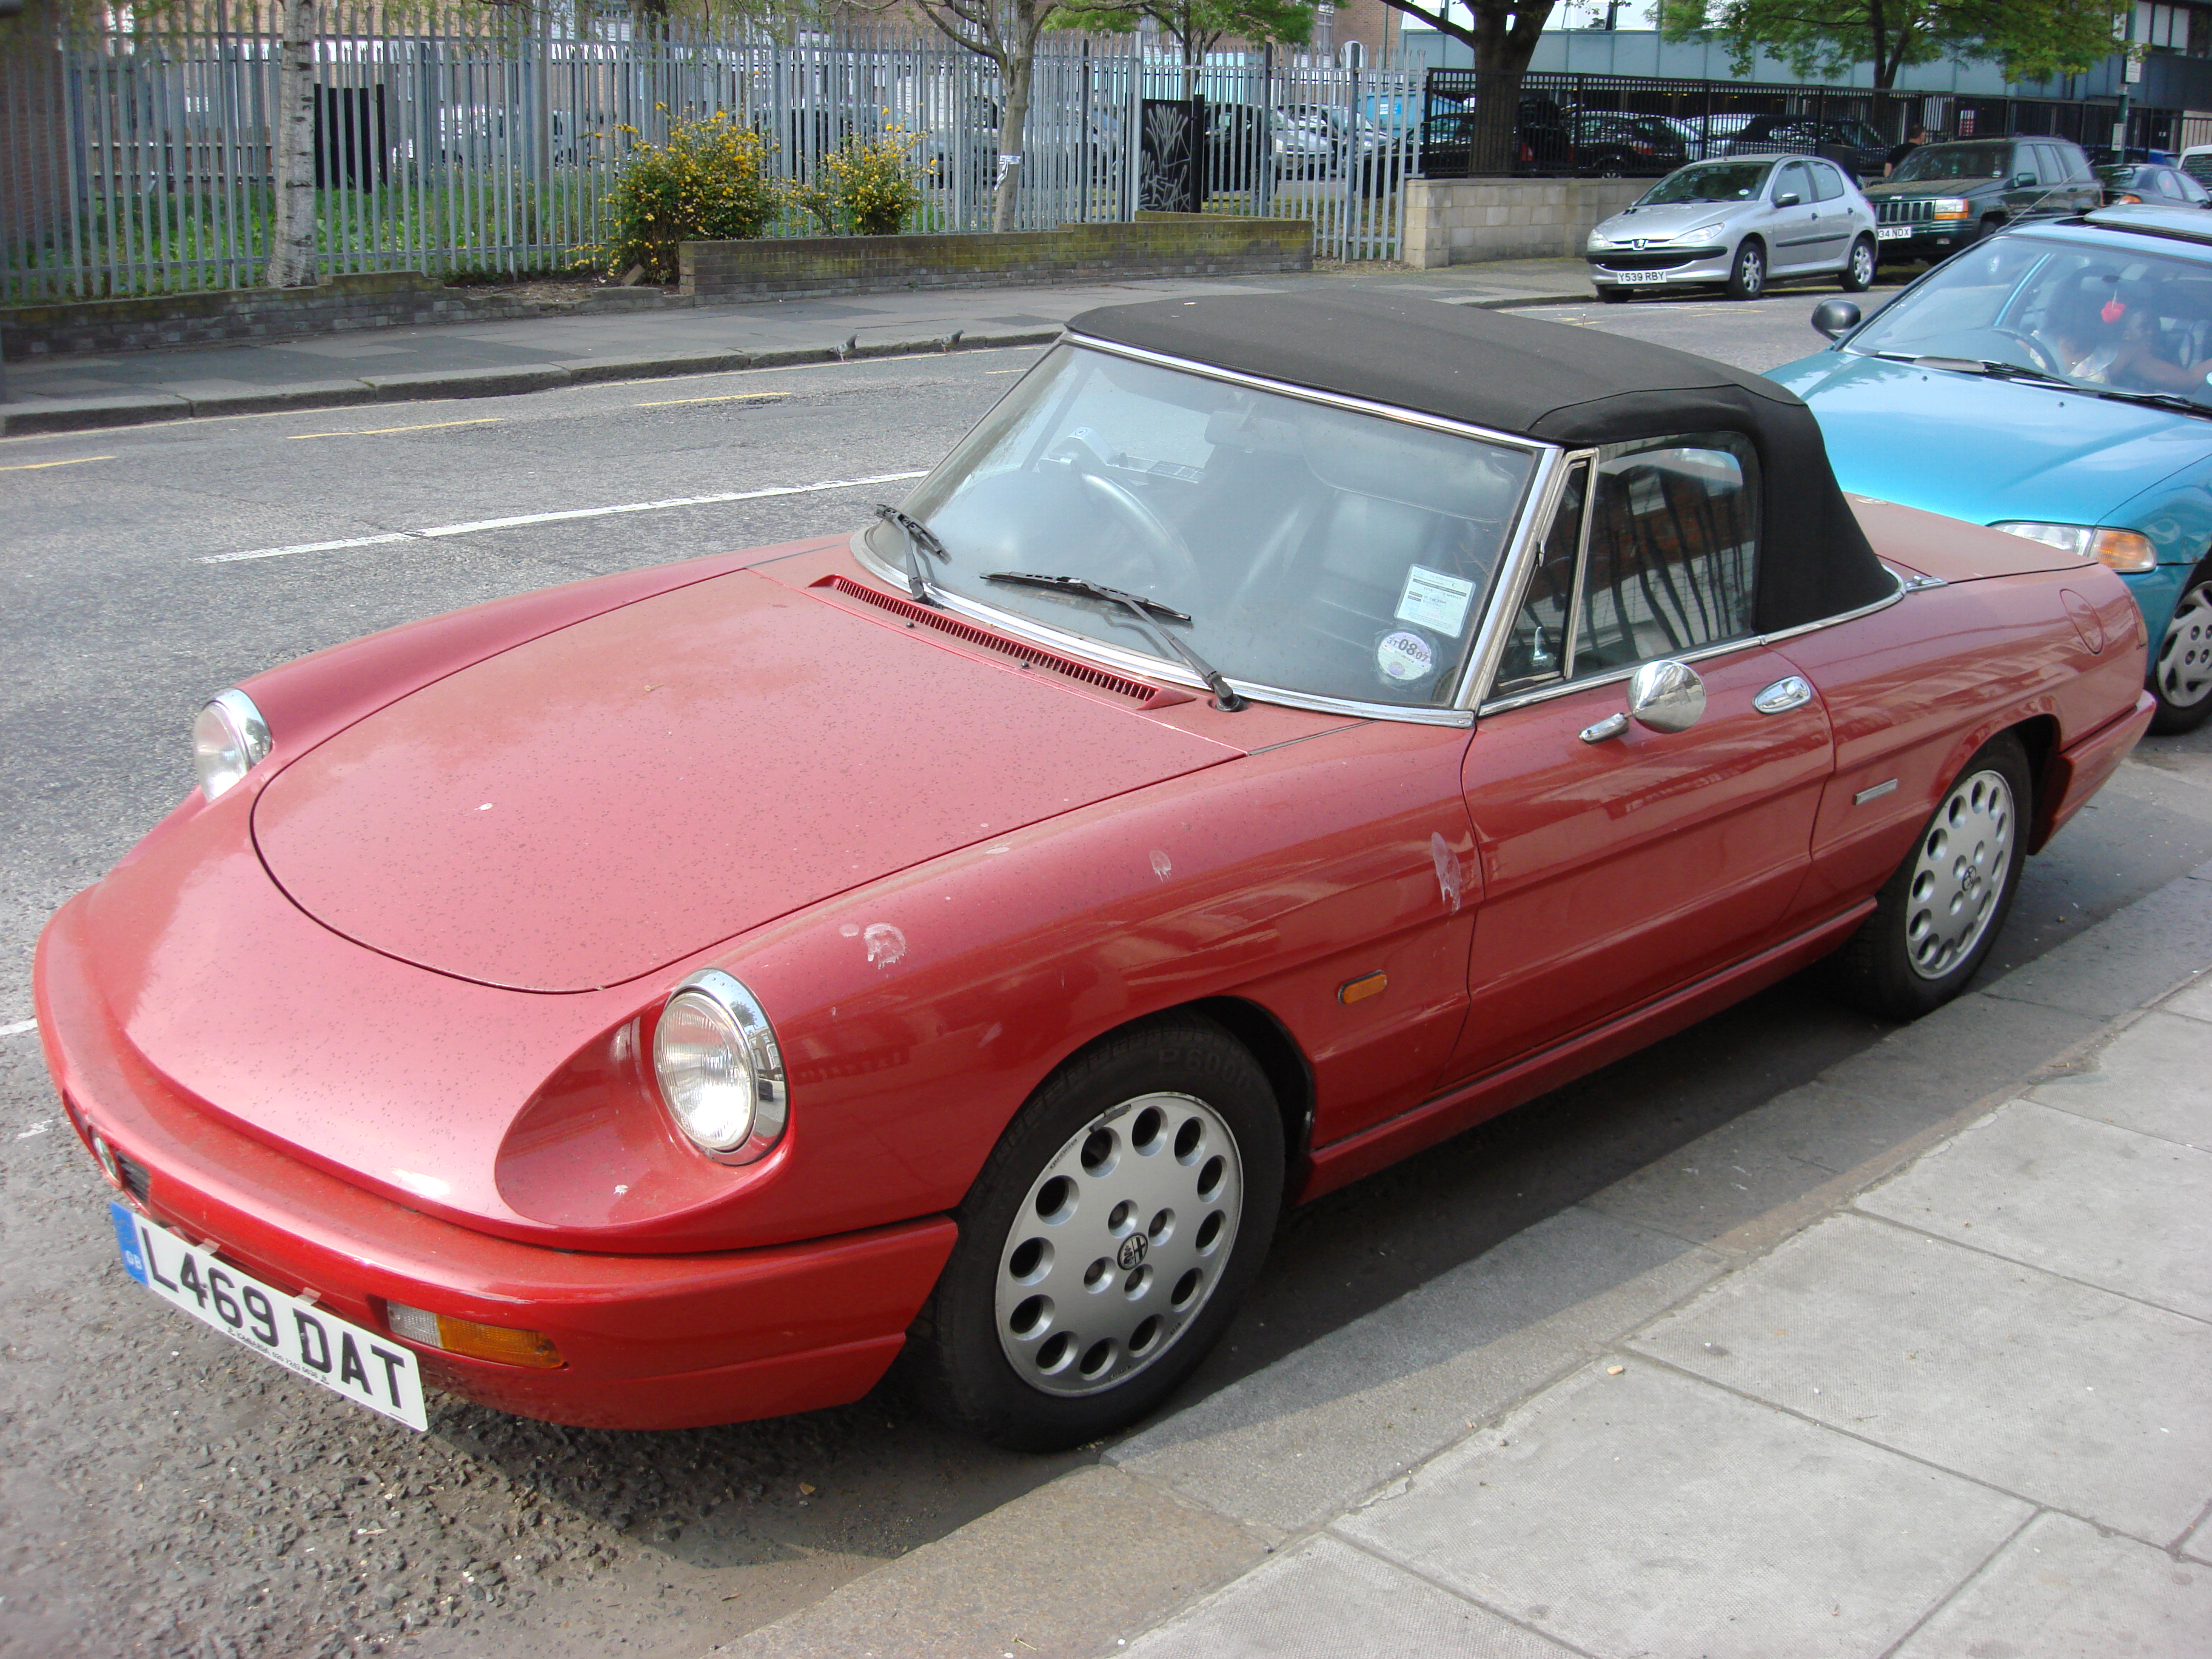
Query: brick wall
1157	244
1457	222
390	299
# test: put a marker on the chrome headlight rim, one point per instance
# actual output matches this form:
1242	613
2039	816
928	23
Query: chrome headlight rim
2124	552
230	739
755	1046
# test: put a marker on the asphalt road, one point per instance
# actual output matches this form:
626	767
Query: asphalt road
168	1493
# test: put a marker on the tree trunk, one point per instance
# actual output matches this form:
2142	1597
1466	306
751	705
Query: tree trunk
292	226
1015	117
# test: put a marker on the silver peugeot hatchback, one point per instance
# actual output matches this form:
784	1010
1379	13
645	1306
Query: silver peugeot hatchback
1742	222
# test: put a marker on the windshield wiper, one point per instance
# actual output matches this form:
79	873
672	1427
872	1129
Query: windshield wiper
2179	402
1999	371
917	535
1145	611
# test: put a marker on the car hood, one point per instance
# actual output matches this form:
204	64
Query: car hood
629	790
1892	188
1985	449
1669	221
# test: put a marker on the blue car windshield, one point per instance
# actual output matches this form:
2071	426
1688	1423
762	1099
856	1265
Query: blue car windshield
1709	181
2112	315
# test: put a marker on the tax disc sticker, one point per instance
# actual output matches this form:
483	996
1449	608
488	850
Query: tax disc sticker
1404	659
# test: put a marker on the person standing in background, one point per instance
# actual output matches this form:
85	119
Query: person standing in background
1914	139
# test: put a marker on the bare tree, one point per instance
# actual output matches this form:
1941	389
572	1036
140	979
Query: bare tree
1006	32
292	226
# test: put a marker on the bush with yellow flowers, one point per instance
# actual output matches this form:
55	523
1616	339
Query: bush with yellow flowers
709	182
865	186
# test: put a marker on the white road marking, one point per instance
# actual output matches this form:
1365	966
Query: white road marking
19	1028
523	519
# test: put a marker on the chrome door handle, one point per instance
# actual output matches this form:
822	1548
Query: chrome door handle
1785	693
1611	727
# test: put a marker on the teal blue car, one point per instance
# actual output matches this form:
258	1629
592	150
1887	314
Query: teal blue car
2054	380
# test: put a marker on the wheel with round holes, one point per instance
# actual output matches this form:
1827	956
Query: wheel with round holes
1936	918
2181	668
1107	1241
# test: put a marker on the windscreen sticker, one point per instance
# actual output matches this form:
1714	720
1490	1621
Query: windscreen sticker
1404	659
1435	601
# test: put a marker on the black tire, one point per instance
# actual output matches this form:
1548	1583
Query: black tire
2181	667
1860	266
1893	966
1747	272
1987	228
1615	295
957	1352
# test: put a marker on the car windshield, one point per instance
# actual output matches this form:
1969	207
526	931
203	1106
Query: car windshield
1713	181
1940	161
2108	316
1316	549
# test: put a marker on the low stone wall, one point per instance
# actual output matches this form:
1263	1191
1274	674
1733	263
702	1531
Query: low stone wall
1457	222
1157	244
380	299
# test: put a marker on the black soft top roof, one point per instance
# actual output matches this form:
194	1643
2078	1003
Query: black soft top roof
1572	386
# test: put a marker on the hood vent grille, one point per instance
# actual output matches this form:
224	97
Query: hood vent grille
1031	656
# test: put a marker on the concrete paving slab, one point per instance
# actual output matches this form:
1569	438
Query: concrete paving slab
2112	970
2067	1394
2062	1590
2155	1076
2195	1003
214	398
1326	1600
1059	1571
1310	1434
2109	1206
1650	1514
85	411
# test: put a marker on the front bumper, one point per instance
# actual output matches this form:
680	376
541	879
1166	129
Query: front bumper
649	1342
1659	268
1926	240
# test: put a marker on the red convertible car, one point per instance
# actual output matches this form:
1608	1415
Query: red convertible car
1282	734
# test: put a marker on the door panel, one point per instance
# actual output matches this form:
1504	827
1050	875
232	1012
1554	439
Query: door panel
1614	871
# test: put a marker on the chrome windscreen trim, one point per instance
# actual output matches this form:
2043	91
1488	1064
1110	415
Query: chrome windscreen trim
1538	502
1137	662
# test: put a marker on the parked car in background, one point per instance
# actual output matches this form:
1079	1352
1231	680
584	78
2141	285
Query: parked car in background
1944	196
1616	145
1802	135
2051	382
2196	163
1283	734
2131	183
1742	223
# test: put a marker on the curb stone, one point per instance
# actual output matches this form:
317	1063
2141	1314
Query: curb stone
125	409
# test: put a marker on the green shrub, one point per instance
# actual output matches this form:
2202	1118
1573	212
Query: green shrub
867	186
708	183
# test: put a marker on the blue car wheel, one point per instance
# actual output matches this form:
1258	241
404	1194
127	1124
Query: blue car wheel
2181	667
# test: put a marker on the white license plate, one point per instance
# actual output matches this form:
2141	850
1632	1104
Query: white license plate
1895	232
368	1368
1641	275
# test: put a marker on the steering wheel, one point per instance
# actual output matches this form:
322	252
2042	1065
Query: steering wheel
1168	553
2038	354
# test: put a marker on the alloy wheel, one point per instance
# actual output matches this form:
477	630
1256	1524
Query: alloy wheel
1964	859
2185	657
1862	266
1118	1243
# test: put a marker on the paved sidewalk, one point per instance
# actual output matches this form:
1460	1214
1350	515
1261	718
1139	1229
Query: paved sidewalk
461	360
1879	1368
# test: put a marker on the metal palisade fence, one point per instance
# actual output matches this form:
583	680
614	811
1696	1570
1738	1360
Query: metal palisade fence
141	161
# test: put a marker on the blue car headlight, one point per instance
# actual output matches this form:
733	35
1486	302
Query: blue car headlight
2128	551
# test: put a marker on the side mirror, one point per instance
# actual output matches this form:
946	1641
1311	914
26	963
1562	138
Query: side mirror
1836	317
1788	198
1666	696
2023	180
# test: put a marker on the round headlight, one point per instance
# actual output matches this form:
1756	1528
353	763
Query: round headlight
230	739
719	1071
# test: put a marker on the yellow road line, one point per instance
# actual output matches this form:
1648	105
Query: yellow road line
726	398
33	466
379	431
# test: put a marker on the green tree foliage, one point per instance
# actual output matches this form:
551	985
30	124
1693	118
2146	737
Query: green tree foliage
1200	25
2030	39
709	182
